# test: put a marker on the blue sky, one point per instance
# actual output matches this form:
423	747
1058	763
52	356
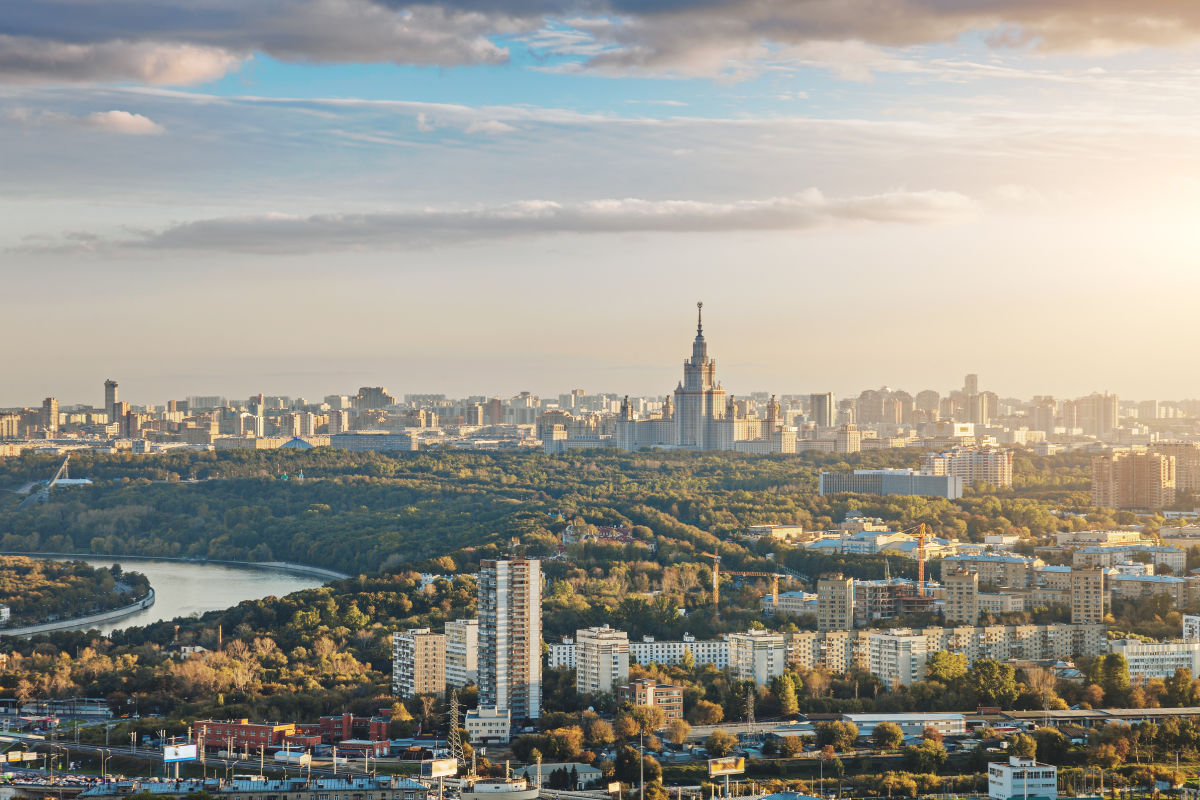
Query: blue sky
305	196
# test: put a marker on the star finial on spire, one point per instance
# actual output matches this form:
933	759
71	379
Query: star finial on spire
699	317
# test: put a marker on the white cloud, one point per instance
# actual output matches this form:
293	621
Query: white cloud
490	127
25	59
285	233
122	122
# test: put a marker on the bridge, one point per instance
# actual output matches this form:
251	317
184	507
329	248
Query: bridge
42	495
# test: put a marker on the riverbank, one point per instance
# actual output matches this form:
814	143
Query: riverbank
282	566
83	622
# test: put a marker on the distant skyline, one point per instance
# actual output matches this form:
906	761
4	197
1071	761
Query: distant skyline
304	196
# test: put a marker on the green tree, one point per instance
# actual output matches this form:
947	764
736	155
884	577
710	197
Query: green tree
1023	745
887	736
839	735
1115	679
720	743
993	683
789	704
928	756
946	667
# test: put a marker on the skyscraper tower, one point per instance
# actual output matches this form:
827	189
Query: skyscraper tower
50	415
110	398
510	636
699	399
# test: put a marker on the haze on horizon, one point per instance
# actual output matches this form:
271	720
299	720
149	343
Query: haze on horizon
302	197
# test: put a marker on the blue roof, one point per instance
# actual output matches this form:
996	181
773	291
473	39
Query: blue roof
296	443
1145	548
991	557
1150	578
1053	568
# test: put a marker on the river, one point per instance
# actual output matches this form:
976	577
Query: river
184	588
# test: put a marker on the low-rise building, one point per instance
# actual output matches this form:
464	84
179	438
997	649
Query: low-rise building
241	734
488	725
1022	779
1109	555
1158	659
914	724
376	788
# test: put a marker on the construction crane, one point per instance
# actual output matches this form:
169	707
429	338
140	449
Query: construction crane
774	576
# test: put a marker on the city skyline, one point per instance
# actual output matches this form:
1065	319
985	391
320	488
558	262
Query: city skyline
524	193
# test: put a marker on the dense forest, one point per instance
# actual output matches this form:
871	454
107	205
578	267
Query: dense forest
38	590
360	512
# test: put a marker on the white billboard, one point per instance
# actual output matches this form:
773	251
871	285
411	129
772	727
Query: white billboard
173	753
439	768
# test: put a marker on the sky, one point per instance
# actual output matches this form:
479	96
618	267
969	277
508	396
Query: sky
302	197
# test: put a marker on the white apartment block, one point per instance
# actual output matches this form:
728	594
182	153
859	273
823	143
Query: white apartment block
488	725
651	651
1158	659
601	660
1022	779
462	652
1191	626
757	655
898	656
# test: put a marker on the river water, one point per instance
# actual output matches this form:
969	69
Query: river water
184	588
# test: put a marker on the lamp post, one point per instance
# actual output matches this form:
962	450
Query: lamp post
107	754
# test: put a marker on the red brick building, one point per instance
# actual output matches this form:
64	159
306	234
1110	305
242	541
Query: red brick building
347	726
241	734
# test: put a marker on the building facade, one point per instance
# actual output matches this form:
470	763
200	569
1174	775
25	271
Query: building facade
601	660
418	662
757	655
462	652
835	603
510	636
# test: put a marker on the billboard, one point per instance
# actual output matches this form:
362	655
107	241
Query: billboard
173	753
439	768
730	765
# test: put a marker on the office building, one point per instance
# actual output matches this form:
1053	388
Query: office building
648	692
1158	659
1133	480
50	415
891	481
510	636
462	652
110	399
757	655
962	598
601	660
488	725
1022	779
835	603
418	662
821	409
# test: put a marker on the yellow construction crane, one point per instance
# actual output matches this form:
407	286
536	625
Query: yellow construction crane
774	576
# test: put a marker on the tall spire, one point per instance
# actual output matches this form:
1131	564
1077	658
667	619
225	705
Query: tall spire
700	318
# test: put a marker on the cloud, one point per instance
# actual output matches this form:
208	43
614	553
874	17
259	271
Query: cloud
122	122
490	127
284	233
183	42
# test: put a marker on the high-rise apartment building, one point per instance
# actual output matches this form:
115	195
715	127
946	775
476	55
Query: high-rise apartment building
835	603
462	652
510	636
1133	480
973	464
971	384
962	598
898	656
757	655
1187	463
418	662
821	409
110	398
1099	414
1087	595
50	415
601	660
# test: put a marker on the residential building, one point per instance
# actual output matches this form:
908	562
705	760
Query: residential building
996	569
418	662
1140	587
757	655
821	410
1191	626
1172	558
110	399
973	464
653	651
1022	779
1123	479
1087	595
462	652
835	603
510	636
962	598
50	415
898	656
648	692
999	603
848	439
601	660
